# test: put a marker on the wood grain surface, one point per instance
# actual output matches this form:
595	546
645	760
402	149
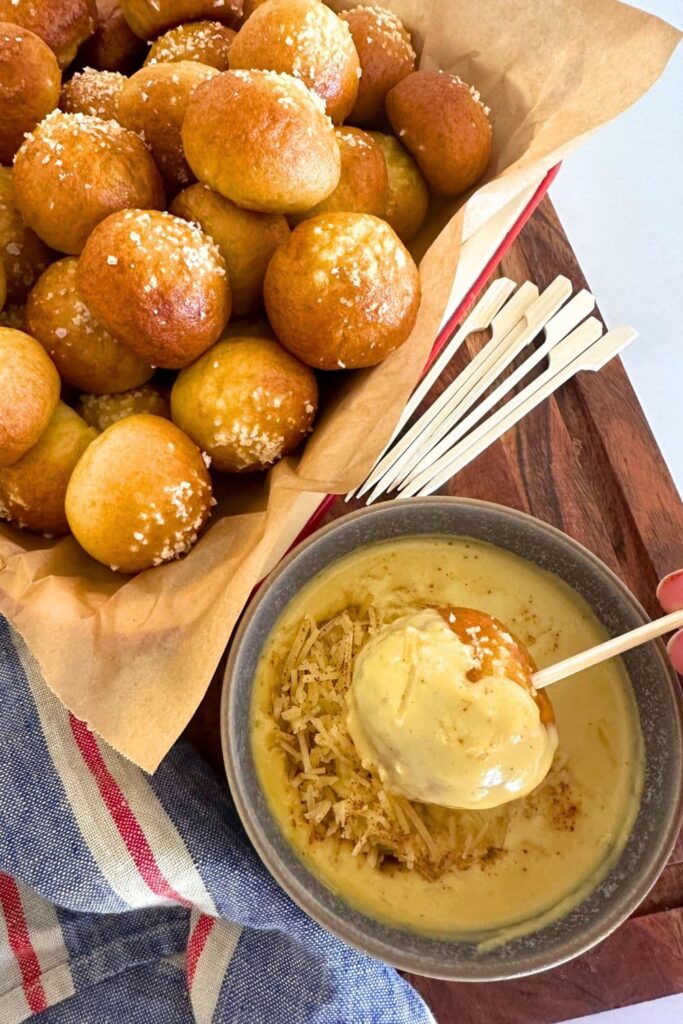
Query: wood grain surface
586	462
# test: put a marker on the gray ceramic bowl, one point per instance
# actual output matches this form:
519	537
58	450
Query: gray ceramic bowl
656	692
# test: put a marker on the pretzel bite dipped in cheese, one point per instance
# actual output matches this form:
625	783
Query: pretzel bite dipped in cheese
113	46
149	18
263	140
343	292
29	391
153	105
157	283
246	240
386	56
23	255
246	402
363	182
443	123
32	490
87	356
93	92
62	24
100	411
29	85
139	495
74	170
442	705
208	42
306	39
406	199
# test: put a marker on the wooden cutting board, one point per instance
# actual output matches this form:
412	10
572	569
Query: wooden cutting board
585	461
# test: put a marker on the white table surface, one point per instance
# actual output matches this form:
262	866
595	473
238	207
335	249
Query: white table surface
620	199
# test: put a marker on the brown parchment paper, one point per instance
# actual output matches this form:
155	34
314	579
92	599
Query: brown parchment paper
133	656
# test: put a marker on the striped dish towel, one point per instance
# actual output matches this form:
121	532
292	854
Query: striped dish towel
132	899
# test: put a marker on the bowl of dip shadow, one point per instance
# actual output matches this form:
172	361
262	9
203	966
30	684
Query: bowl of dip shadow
657	696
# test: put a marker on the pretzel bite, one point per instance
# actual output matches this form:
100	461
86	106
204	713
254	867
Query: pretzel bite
246	240
407	195
100	411
74	170
62	24
263	140
3	287
149	18
32	490
84	352
363	182
303	38
153	105
29	85
114	46
29	390
343	292
246	402
205	41
93	92
386	56
157	283
23	255
444	124
139	495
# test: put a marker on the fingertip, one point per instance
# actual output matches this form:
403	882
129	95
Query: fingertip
675	649
670	591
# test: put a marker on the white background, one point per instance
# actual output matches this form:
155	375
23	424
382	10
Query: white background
620	199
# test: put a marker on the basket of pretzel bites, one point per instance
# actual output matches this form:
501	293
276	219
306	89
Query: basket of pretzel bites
176	174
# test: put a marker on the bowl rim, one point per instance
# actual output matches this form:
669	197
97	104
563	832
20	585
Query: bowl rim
596	931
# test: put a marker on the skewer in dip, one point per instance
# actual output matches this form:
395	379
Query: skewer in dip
442	706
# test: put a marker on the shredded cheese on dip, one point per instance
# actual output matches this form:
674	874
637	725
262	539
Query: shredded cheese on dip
339	800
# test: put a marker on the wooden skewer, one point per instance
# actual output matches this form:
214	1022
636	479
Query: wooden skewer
388	467
458	424
489	363
478	319
569	357
610	649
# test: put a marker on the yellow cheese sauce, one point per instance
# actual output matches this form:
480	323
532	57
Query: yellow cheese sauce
550	858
